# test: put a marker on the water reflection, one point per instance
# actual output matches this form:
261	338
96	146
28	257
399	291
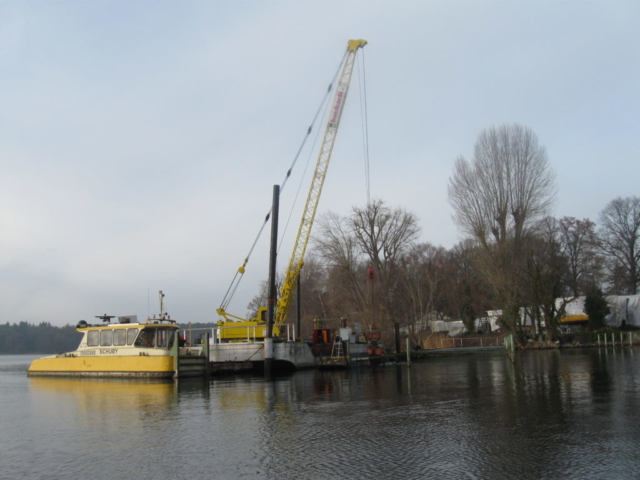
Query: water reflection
552	414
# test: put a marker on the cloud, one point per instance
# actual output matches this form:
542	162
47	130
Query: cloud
140	142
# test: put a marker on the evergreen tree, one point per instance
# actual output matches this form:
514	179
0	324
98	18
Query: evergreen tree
595	305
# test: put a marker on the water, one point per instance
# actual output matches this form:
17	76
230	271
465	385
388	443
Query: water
572	414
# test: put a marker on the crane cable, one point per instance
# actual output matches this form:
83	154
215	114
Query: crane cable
365	129
362	87
240	272
304	173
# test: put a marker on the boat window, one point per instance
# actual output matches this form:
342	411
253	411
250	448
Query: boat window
131	335
162	337
106	338
93	338
147	338
120	337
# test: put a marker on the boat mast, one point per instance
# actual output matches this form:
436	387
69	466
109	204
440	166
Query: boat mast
162	312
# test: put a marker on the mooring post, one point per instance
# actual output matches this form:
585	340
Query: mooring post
175	353
598	340
408	354
207	369
510	347
271	299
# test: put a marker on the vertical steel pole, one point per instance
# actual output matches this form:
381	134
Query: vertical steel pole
271	300
298	310
207	369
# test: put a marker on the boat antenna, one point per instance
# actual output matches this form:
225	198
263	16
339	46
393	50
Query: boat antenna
162	312
105	317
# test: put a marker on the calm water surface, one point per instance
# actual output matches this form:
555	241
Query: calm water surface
551	415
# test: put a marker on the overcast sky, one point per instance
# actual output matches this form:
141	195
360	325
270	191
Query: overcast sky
140	141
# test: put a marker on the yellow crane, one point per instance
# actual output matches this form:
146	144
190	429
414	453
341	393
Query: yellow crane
256	327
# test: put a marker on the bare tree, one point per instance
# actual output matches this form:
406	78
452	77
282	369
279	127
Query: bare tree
505	188
546	266
313	296
620	240
580	246
497	197
336	245
421	288
465	292
375	237
383	235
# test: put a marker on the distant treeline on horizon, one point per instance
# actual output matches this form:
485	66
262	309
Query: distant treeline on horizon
23	337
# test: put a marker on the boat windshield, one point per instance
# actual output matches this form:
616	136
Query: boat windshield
155	338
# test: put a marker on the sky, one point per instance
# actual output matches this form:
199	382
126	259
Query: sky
140	141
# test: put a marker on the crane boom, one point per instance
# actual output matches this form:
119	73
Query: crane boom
304	232
239	329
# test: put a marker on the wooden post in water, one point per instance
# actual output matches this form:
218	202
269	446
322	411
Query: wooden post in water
207	370
408	354
510	347
175	353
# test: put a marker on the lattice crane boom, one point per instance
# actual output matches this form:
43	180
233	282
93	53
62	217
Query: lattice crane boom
304	232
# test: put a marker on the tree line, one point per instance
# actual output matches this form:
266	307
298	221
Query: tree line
23	337
370	267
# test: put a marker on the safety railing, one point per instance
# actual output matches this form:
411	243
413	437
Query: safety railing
437	342
251	334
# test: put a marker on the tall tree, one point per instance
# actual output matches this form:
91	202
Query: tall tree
465	293
383	235
497	197
620	240
580	246
336	246
422	278
376	237
597	308
546	274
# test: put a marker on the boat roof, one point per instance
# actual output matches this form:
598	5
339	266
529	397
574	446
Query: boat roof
149	322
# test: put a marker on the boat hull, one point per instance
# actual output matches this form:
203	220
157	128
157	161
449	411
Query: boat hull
290	355
122	366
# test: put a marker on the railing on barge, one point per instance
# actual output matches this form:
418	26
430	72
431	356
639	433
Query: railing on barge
254	334
439	342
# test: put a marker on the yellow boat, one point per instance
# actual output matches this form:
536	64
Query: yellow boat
124	348
575	319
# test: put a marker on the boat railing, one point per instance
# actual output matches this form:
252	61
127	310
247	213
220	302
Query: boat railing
252	334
